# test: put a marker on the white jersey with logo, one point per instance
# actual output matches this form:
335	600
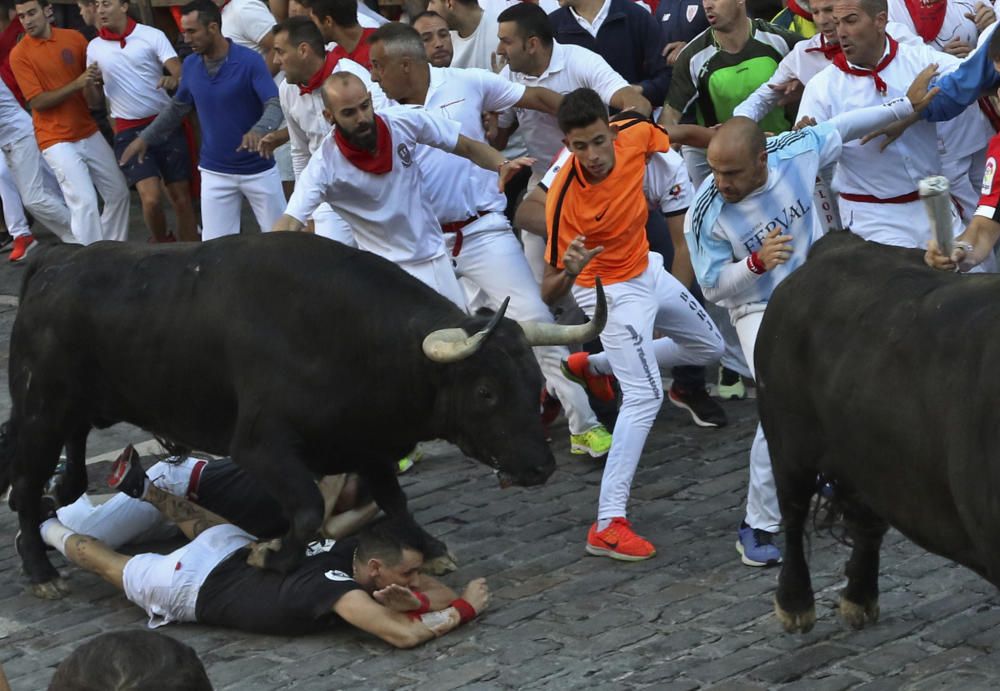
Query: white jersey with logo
571	67
307	125
666	184
131	74
389	213
457	188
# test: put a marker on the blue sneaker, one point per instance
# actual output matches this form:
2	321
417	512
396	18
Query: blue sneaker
756	547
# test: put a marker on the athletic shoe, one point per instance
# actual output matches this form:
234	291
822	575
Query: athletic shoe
595	441
756	547
409	460
48	510
731	384
6	239
619	541
576	369
704	411
22	245
127	474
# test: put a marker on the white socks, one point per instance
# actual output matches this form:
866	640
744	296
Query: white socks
55	534
603	523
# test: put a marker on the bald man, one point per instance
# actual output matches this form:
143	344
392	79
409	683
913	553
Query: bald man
366	170
758	207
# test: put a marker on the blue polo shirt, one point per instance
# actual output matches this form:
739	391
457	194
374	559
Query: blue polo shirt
228	105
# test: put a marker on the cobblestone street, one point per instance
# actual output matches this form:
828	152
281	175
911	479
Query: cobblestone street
692	617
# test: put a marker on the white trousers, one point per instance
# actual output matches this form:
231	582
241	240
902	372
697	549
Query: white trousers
80	167
653	298
37	185
762	495
331	225
902	225
222	201
13	210
492	259
439	273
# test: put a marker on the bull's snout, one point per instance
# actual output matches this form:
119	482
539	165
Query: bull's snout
528	477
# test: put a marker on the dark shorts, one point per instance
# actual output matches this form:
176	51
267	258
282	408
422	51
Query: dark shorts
170	160
229	491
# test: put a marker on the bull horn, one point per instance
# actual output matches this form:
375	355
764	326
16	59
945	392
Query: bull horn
542	334
452	345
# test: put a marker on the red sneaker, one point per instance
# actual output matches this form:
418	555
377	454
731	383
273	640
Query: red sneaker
22	245
576	369
619	541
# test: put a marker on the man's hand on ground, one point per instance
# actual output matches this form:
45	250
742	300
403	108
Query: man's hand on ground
477	594
397	597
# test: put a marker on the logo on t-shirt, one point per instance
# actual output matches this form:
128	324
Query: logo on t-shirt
692	12
404	155
319	547
67	56
991	168
674	192
337	576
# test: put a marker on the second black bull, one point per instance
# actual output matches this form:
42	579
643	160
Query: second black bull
293	354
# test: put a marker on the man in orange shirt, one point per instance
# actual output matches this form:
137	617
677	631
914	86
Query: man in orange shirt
596	217
50	67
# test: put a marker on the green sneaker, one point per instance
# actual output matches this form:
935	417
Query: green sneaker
730	385
407	461
596	442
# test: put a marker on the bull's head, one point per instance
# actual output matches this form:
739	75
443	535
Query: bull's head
493	390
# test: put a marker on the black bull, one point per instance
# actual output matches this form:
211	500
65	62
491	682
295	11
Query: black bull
871	371
293	354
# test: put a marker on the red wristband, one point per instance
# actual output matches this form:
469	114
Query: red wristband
755	264
425	603
466	611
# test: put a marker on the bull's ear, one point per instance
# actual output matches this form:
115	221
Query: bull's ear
452	345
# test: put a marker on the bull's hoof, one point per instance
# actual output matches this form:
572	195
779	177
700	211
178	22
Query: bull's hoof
858	616
51	590
438	566
796	622
260	552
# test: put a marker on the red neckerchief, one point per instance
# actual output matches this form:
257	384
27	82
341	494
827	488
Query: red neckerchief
840	60
316	81
798	10
828	50
378	163
109	35
928	17
361	52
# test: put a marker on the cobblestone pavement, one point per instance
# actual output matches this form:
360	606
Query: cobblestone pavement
692	617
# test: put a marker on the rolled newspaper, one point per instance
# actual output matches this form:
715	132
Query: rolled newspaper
936	193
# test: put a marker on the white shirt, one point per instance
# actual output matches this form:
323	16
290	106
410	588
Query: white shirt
15	123
304	113
369	18
390	214
803	62
247	22
132	73
593	27
865	169
475	49
666	184
570	67
457	188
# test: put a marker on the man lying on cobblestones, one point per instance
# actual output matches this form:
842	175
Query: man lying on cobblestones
371	582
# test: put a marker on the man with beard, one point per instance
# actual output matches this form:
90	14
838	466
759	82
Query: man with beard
433	30
365	170
237	104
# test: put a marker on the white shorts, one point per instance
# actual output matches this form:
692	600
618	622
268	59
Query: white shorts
167	585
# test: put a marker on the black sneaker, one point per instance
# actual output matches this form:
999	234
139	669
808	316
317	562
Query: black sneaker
704	411
127	474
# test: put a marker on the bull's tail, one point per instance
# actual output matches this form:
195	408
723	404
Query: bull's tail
8	440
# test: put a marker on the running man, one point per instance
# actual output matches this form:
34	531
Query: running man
596	217
758	208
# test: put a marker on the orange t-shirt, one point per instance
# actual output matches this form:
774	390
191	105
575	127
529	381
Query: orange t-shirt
611	213
42	65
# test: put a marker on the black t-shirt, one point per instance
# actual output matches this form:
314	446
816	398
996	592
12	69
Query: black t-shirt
239	596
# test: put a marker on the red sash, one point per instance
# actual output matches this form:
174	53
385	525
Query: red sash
840	60
109	35
378	163
928	17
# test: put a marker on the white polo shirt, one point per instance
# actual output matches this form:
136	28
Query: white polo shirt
666	184
570	67
15	123
390	214
457	188
304	113
247	22
132	73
